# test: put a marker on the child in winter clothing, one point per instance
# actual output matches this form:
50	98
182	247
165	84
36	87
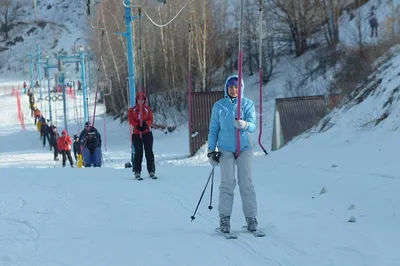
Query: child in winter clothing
76	147
222	133
64	145
37	114
142	135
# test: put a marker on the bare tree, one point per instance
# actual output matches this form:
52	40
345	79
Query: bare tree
299	17
10	13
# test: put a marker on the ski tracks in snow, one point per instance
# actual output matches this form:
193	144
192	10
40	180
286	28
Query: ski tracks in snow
246	242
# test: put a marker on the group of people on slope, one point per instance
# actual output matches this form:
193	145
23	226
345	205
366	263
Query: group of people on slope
88	144
221	148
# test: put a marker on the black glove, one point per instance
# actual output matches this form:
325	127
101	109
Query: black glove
213	157
143	127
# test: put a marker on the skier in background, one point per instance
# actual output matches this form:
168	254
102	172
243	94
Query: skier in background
373	22
90	140
36	114
64	145
44	132
142	136
222	134
76	147
52	131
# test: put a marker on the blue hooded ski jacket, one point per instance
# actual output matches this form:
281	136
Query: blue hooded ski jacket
222	131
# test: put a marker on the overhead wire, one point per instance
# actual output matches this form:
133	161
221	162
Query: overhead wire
169	22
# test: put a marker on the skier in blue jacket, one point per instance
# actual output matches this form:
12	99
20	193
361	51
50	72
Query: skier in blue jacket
222	134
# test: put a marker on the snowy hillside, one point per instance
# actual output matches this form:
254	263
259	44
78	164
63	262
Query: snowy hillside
58	23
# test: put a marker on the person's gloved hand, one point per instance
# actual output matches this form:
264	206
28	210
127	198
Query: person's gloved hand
241	124
213	157
143	127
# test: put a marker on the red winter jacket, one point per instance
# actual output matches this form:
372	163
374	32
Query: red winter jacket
134	115
64	142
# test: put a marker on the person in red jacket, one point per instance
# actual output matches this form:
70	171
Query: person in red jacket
64	146
142	135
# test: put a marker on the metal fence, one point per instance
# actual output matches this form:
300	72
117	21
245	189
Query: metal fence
202	103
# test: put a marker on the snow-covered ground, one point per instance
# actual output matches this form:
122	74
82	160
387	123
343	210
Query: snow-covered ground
61	216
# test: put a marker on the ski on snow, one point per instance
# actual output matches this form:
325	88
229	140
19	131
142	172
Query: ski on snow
141	178
257	233
226	235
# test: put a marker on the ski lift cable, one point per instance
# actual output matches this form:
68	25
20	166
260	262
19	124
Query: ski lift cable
98	75
261	77
104	116
169	22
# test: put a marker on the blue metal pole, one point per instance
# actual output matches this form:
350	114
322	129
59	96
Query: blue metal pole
131	62
131	58
31	70
48	88
39	75
84	93
89	75
62	81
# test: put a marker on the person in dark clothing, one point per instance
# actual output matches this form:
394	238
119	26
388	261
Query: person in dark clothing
373	22
64	145
43	131
54	140
32	104
142	135
46	133
90	140
76	147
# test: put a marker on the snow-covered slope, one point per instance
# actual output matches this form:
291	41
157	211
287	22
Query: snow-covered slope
307	194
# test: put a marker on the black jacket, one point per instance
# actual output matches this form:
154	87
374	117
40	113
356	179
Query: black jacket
90	139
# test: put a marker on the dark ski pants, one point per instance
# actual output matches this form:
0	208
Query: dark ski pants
66	154
55	148
138	143
46	136
374	29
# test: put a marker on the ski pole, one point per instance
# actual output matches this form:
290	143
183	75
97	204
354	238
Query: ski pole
212	186
108	158
202	194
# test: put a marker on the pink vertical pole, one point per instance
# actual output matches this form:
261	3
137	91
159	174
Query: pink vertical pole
105	129
240	62
190	126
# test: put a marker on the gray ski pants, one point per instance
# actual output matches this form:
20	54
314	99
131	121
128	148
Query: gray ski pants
244	166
